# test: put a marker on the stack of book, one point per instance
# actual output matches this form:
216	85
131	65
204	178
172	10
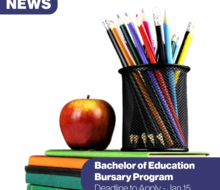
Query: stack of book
54	173
61	169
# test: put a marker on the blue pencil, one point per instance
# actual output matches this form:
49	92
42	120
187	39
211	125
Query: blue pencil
153	79
169	56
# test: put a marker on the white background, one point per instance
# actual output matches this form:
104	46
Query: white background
49	60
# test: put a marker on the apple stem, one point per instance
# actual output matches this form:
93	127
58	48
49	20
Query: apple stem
88	96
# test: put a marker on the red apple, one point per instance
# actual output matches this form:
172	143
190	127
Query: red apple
87	124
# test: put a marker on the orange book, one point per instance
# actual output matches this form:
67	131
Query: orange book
57	162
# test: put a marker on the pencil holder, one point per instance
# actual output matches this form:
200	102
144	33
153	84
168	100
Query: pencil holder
155	115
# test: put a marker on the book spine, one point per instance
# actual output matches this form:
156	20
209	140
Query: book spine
67	182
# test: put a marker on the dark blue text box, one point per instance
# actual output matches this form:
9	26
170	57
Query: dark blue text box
151	174
28	6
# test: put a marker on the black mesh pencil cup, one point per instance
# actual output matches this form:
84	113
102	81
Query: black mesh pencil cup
155	116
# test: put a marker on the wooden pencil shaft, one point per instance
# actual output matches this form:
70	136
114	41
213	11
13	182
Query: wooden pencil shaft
107	26
122	46
181	47
147	42
147	28
169	55
117	49
137	41
184	54
131	46
185	49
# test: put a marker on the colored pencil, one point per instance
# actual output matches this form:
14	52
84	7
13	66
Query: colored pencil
147	43
170	61
188	30
114	42
130	61
130	43
158	27
135	37
147	28
126	15
176	49
157	87
167	38
184	53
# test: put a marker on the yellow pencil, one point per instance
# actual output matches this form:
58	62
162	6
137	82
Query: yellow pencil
184	53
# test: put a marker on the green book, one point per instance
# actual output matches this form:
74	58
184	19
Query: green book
67	182
36	187
122	154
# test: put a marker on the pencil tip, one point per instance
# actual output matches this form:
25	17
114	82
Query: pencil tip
118	16
142	10
136	15
165	18
126	14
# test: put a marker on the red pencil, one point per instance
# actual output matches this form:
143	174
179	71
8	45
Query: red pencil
146	40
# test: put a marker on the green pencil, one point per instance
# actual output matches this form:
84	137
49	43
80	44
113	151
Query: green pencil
129	41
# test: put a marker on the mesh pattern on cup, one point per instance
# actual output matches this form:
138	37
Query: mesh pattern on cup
155	115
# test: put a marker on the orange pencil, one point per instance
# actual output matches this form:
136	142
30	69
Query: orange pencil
123	47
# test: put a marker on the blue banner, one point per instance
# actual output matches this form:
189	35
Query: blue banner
151	174
28	6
